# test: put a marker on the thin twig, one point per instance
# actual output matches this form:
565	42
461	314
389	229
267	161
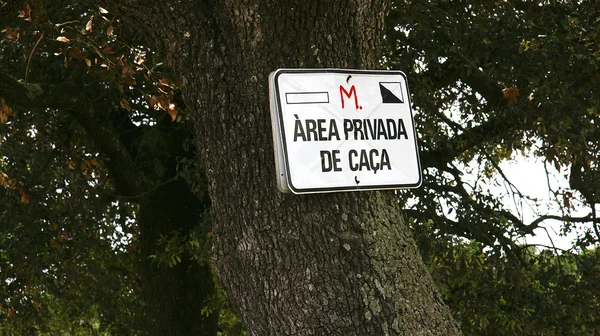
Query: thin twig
31	56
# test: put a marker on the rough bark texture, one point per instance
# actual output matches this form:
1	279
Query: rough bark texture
332	264
174	296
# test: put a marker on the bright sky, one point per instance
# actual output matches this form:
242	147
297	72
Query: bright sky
529	176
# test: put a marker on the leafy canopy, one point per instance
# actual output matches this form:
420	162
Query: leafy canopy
489	80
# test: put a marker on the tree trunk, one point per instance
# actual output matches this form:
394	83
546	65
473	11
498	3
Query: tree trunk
173	296
329	264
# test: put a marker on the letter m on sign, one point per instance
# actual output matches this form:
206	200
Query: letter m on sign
349	95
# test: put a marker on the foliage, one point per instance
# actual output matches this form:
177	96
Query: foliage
229	322
492	80
65	241
492	294
67	244
69	250
91	124
482	97
489	80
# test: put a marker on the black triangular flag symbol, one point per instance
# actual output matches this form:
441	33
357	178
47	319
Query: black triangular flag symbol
387	96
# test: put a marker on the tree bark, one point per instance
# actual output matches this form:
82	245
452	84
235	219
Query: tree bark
173	296
328	264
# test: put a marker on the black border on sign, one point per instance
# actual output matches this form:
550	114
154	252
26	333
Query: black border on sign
295	190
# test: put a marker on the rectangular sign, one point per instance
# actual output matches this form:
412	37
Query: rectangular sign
342	130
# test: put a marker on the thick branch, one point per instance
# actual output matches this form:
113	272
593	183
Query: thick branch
455	69
34	95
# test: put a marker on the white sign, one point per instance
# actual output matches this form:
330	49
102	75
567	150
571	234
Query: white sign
340	130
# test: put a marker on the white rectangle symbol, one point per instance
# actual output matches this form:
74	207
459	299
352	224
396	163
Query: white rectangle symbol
307	98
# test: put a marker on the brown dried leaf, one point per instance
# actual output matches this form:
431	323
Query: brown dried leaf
63	39
166	83
24	196
164	102
110	30
154	103
108	50
102	10
511	93
5	181
88	62
11	33
5	111
120	61
125	69
125	104
172	111
74	52
88	26
139	59
25	13
129	80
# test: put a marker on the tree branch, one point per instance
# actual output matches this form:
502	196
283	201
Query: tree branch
34	95
468	139
589	218
126	175
490	90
